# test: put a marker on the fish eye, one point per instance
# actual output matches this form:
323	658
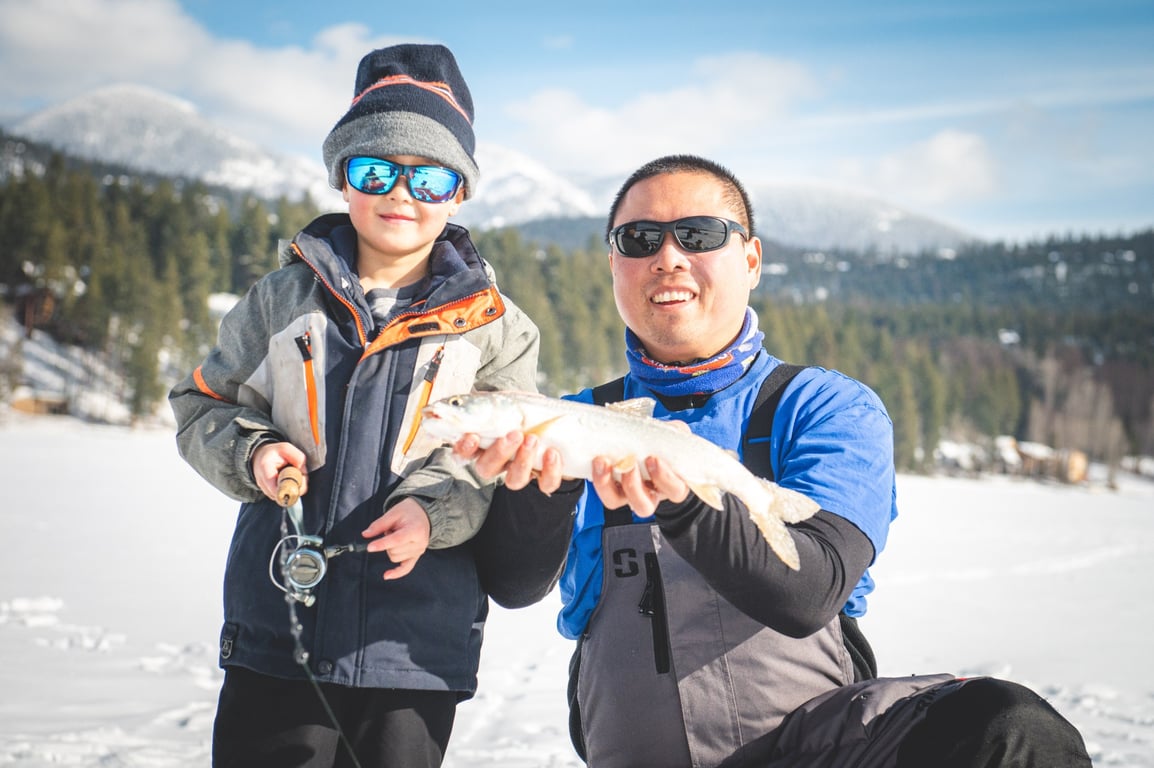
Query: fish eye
456	400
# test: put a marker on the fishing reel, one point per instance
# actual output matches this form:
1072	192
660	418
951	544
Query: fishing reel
305	566
303	558
304	561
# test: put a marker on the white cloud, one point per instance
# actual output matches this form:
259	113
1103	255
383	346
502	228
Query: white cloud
951	166
286	97
58	45
727	99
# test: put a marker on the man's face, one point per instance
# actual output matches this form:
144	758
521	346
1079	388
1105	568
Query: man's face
683	306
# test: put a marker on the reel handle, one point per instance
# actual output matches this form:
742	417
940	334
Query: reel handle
288	486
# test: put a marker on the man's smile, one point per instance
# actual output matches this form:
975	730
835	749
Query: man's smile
672	296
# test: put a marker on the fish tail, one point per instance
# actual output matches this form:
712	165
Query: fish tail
777	536
780	506
789	505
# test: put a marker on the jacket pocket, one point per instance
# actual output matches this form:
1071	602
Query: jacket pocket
652	605
296	387
305	345
228	640
424	393
445	366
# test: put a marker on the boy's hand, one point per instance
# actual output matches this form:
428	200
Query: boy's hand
270	459
403	533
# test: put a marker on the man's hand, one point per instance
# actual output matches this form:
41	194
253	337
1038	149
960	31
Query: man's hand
514	455
403	533
630	489
270	459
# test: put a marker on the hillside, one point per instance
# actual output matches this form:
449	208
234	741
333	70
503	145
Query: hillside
151	132
1052	342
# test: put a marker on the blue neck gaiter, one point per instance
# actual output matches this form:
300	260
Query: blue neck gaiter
701	377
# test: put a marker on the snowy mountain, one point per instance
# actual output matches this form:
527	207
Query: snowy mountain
515	189
814	216
151	131
155	132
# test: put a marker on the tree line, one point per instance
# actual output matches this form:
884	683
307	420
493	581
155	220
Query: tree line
1051	342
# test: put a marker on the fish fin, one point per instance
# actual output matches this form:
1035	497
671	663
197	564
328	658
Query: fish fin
624	464
680	426
710	494
637	406
778	538
540	429
789	505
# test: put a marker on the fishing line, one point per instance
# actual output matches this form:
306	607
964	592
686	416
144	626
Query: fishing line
302	569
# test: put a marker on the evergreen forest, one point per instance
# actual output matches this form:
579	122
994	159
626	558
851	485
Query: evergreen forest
1049	342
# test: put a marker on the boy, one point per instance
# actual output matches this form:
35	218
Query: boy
324	366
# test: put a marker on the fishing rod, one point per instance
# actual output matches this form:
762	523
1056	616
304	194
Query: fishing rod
302	570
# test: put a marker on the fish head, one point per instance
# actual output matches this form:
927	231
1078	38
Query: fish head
485	414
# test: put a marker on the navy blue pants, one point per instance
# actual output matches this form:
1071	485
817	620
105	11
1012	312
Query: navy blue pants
263	720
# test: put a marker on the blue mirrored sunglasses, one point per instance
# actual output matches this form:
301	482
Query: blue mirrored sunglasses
427	183
695	234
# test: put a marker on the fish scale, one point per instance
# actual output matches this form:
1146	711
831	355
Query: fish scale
624	433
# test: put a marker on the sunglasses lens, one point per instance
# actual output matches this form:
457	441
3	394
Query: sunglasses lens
433	184
700	233
371	175
695	234
641	238
427	183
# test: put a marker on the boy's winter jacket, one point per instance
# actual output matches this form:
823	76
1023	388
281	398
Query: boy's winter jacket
301	359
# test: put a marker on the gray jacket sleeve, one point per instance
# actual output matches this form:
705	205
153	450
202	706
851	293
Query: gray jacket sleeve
216	434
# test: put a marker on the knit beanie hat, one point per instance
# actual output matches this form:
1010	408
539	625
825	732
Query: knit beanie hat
409	100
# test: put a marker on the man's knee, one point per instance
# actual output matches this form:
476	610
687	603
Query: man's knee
993	722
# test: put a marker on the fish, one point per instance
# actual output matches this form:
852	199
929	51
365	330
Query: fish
625	433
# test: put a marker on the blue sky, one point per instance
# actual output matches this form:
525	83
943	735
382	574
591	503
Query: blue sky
1008	119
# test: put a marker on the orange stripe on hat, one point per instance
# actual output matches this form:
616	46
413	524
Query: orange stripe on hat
441	89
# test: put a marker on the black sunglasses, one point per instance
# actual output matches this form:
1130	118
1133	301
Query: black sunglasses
695	234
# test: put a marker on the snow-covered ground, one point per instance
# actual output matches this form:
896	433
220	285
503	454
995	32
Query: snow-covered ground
113	551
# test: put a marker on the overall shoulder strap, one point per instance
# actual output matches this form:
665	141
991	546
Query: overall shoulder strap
756	457
755	441
609	392
613	392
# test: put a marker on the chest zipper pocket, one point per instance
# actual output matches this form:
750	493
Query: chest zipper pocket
427	382
652	606
304	344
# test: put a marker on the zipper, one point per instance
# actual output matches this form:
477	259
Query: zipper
426	390
304	344
652	606
348	305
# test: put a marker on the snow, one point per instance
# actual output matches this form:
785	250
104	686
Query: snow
114	550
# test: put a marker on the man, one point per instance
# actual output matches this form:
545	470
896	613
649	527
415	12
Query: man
696	644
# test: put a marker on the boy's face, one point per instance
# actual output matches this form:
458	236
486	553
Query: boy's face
396	226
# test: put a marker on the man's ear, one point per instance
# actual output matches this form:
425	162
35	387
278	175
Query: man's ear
753	260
